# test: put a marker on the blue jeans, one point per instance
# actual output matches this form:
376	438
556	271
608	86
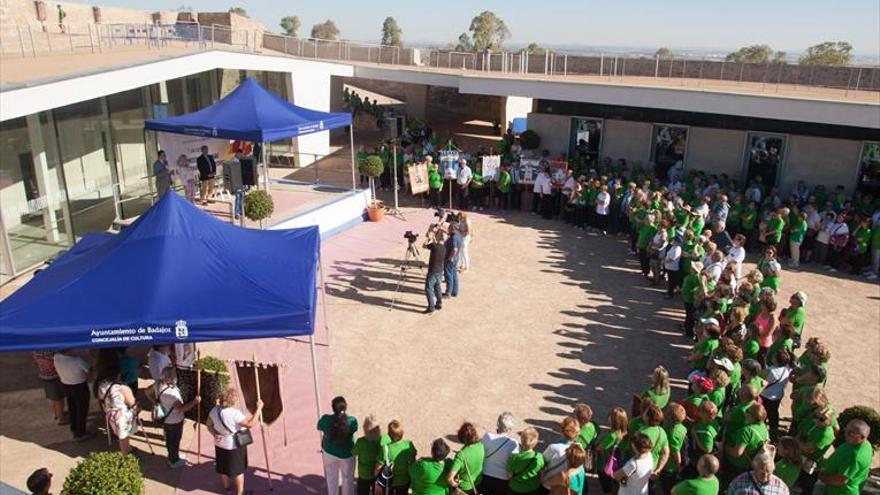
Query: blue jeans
452	277
433	290
239	198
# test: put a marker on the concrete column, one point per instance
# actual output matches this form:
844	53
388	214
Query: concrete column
48	189
312	91
513	107
337	85
417	100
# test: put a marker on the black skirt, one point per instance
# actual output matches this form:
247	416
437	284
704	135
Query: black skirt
231	462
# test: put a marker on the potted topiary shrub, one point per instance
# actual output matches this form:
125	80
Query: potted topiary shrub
258	205
865	413
110	473
372	166
530	140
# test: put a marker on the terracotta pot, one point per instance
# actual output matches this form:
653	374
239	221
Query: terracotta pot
376	212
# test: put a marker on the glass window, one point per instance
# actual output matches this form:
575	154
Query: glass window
127	114
668	148
31	198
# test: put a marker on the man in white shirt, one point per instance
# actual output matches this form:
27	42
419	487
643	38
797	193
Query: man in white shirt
737	253
73	371
185	354
498	448
603	208
158	359
463	178
545	191
672	265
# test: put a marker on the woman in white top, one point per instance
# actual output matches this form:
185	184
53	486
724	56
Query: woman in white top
554	454
187	171
498	448
117	400
838	232
465	226
223	422
737	253
777	373
603	207
635	474
170	398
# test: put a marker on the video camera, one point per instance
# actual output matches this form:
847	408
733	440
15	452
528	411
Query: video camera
450	217
410	236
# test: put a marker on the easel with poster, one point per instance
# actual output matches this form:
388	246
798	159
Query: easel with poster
418	178
449	158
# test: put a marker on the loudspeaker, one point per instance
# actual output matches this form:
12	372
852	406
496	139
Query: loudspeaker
248	172
392	128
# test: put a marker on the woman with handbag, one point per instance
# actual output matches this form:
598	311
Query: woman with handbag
116	398
524	468
571	479
337	441
609	452
499	447
170	410
466	471
231	432
838	233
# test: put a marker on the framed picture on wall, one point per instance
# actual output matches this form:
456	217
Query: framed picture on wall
668	148
585	143
764	157
869	168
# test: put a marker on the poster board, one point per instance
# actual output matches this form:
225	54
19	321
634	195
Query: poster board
557	171
527	170
175	145
418	178
491	166
449	163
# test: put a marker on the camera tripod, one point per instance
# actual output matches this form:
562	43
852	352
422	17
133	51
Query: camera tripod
410	258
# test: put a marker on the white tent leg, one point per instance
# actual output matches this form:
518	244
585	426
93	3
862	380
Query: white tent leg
312	337
353	167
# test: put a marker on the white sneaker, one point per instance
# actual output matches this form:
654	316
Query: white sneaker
177	465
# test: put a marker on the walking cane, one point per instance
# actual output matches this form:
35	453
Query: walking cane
146	437
198	410
262	430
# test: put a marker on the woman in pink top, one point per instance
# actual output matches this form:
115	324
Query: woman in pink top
766	323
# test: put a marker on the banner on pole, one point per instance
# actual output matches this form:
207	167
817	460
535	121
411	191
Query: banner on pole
557	171
491	165
449	163
418	178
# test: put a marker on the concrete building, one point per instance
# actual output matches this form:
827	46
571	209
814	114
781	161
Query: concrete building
74	156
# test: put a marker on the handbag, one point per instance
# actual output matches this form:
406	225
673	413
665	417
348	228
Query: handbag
612	464
385	476
240	438
159	412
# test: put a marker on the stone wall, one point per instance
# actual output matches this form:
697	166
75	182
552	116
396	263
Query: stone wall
449	100
24	12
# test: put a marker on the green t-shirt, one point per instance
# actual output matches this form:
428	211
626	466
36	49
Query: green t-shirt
607	442
369	454
704	436
751	348
717	396
875	238
435	180
736	418
776	346
771	281
661	400
525	471
734	215
753	437
504	182
472	455
646	232
774	229
799	230
852	461
788	472
341	450
402	453
697	225
697	486
587	436
796	317
677	436
820	437
477	181
705	348
749	219
658	437
428	477
736	374
689	288
862	235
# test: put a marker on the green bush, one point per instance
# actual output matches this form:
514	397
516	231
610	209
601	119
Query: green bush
865	413
530	140
371	166
258	205
210	363
107	473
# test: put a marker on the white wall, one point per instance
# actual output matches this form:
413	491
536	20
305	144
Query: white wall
627	139
515	107
718	150
553	129
311	89
820	161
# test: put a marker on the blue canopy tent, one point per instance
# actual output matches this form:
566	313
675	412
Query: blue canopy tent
252	113
176	275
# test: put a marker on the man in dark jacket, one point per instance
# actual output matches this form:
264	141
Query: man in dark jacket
207	171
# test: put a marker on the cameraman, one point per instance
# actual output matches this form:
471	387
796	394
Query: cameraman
435	244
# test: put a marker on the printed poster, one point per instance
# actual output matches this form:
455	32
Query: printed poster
449	163
175	145
418	178
557	171
527	170
491	165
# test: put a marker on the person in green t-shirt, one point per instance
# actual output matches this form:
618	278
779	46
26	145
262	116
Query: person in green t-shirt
702	350
477	190
796	234
676	434
749	222
466	470
861	240
524	468
706	483
369	450
748	440
705	429
588	429
845	472
504	186
435	183
337	441
609	443
428	474
659	390
788	460
652	427
401	454
647	228
795	314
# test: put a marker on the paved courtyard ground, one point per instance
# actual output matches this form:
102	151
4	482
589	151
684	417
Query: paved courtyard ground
547	317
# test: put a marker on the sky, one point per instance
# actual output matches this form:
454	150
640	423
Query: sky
789	25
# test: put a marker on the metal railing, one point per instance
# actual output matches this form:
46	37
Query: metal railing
33	40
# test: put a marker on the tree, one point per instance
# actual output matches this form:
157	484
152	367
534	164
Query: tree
663	53
780	57
534	49
828	53
391	32
464	43
326	30
291	25
753	54
488	31
238	10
